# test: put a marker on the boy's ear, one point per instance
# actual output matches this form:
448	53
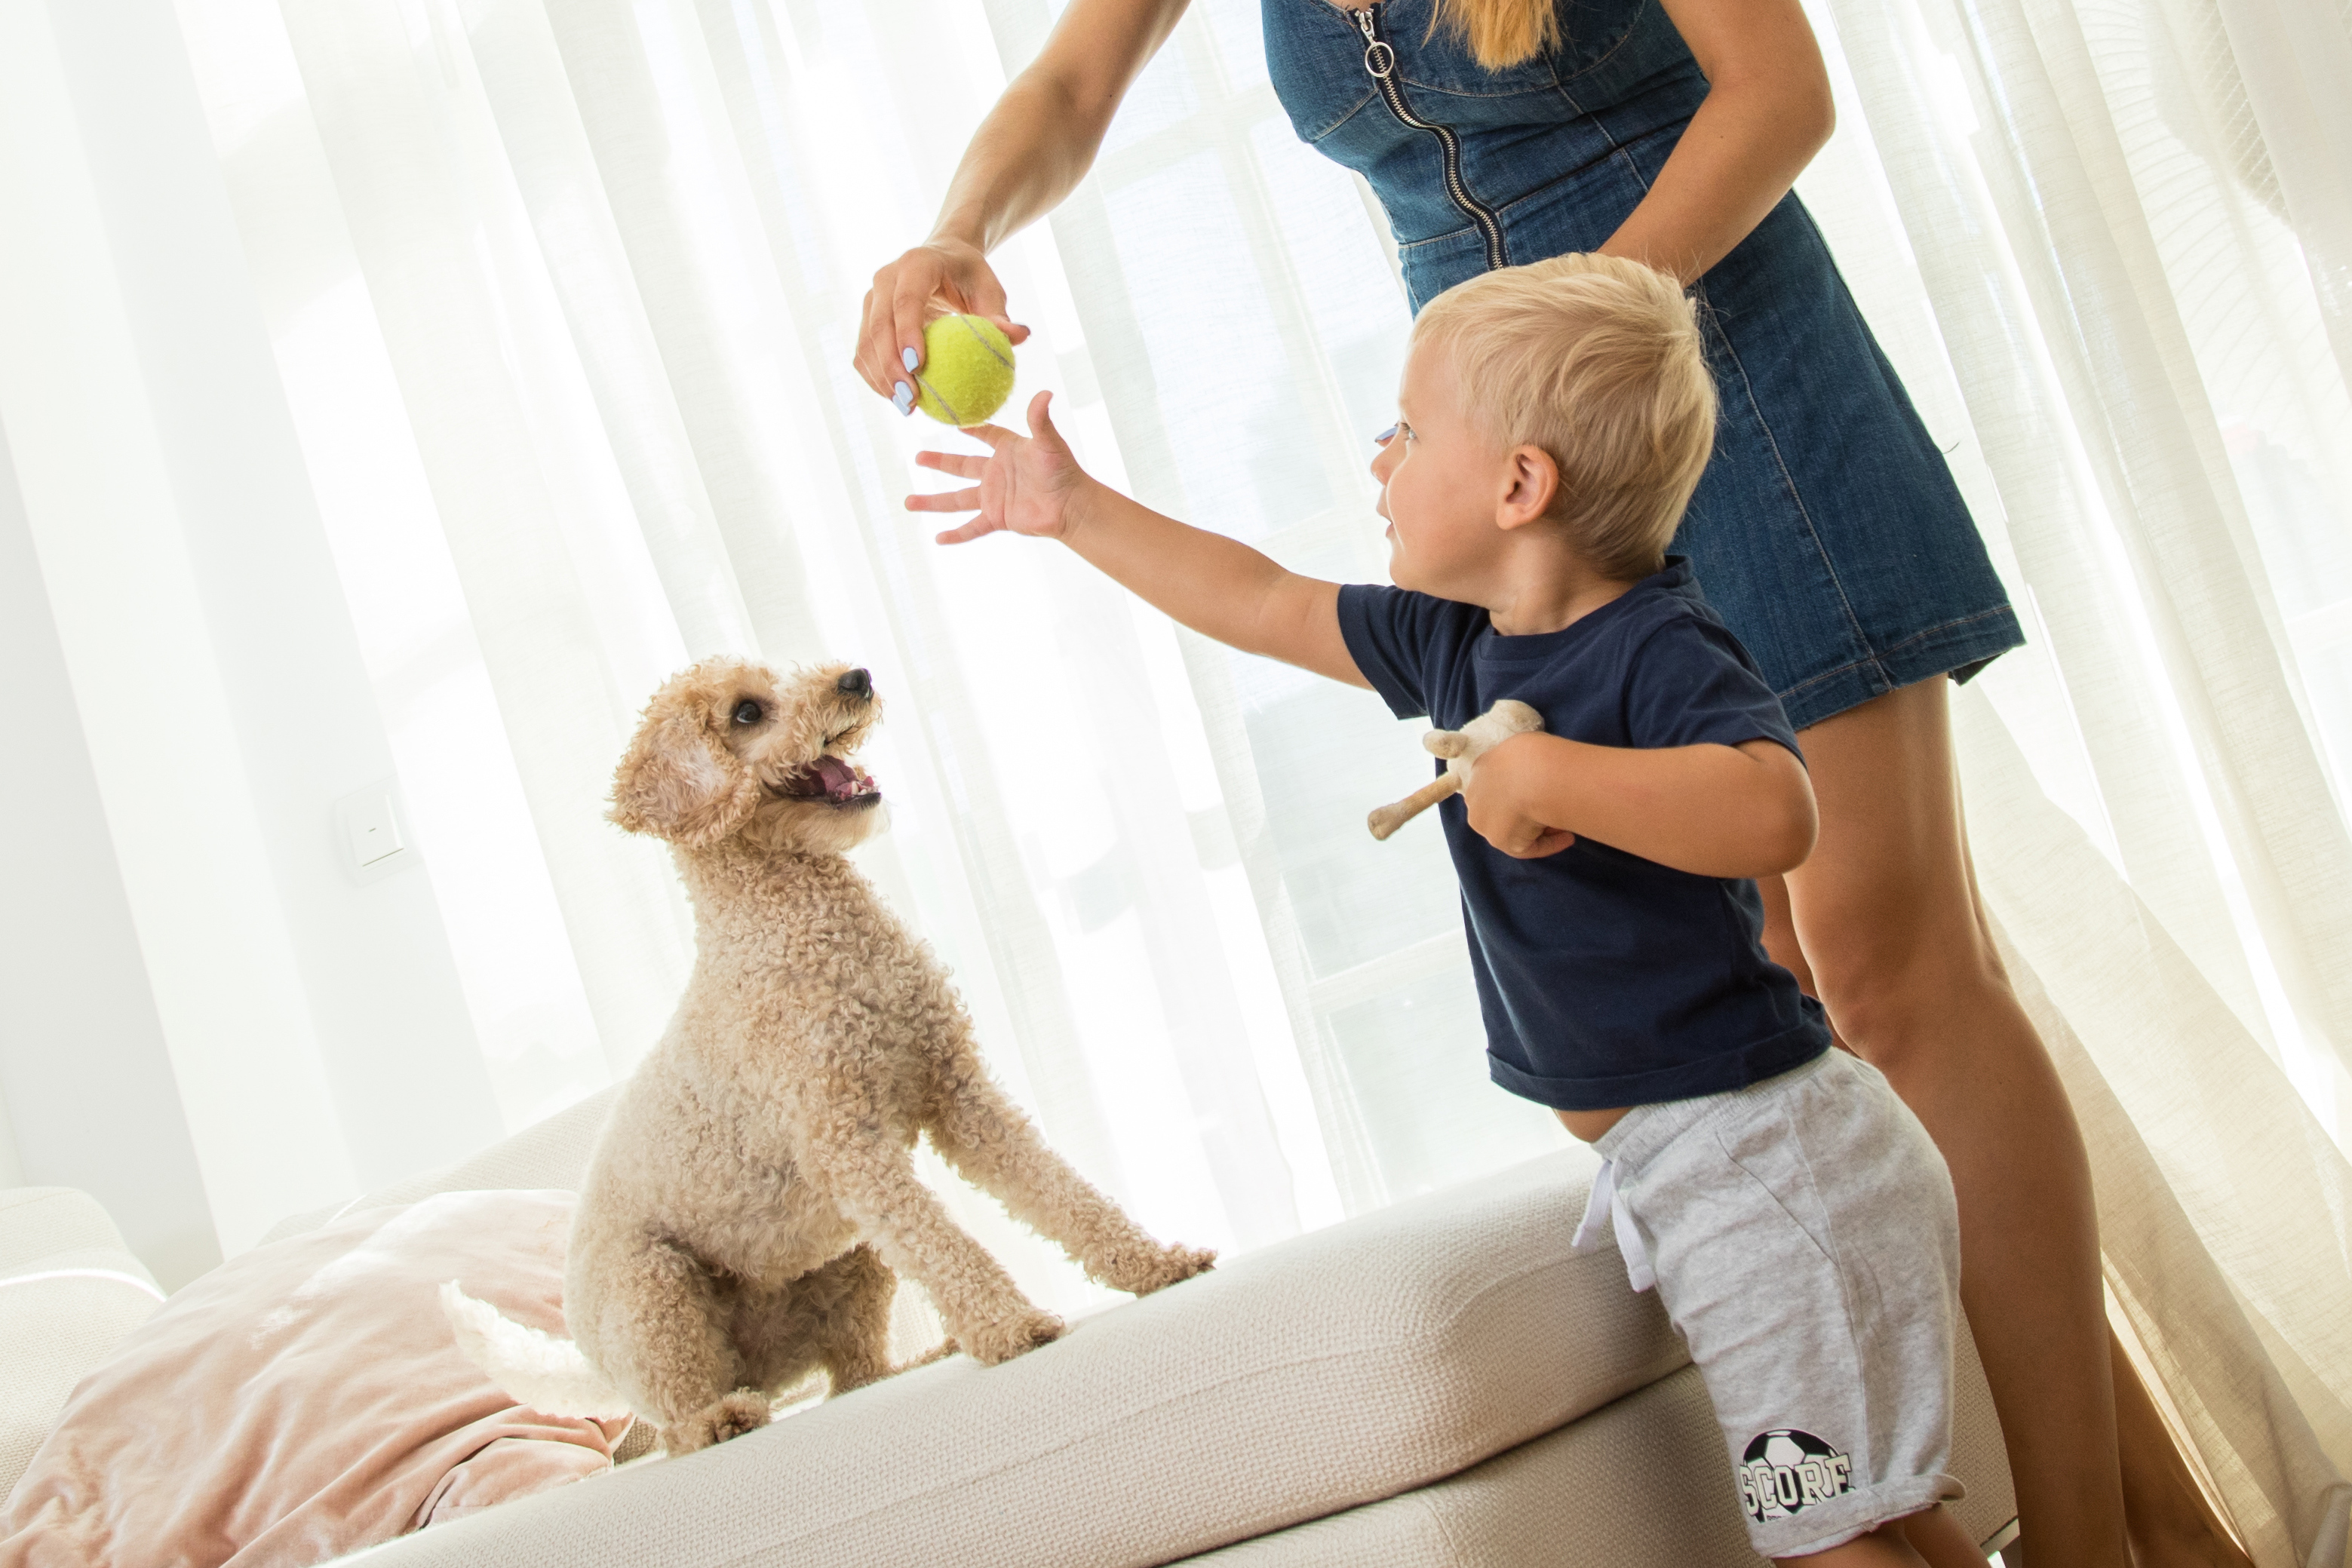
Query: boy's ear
1532	481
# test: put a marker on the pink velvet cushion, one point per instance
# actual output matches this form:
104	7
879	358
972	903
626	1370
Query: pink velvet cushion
307	1399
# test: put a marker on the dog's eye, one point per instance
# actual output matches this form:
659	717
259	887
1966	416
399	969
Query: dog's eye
748	712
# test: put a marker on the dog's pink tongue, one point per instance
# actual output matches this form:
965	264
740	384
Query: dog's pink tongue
839	782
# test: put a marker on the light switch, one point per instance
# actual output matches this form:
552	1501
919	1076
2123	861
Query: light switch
375	834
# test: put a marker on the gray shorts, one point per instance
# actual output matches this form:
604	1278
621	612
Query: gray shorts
1802	1237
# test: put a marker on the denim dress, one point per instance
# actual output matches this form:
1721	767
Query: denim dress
1826	528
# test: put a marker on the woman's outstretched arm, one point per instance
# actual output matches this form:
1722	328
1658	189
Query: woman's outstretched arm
1033	147
1767	112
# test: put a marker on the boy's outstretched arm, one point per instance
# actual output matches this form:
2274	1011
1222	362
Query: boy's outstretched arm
1219	587
1714	810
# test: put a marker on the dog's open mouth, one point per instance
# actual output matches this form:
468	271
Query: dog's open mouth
832	780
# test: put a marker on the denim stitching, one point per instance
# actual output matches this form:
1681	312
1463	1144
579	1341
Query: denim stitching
1457	92
1616	148
1433	239
1879	655
1368	99
1853	623
2005	609
1507	208
1587	70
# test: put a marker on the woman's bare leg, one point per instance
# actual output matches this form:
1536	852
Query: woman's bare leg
2169	1522
1886	916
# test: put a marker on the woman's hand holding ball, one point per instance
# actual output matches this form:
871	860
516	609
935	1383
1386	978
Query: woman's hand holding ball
909	291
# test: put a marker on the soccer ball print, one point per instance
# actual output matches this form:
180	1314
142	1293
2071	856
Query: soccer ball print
1785	1472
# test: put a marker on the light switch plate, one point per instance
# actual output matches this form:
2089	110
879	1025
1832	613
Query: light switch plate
370	823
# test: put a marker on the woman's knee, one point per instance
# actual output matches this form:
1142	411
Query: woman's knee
1898	1009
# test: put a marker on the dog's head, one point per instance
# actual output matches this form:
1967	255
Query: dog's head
730	747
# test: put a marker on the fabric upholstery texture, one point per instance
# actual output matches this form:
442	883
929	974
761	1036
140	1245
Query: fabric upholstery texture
307	1398
69	1291
1597	1491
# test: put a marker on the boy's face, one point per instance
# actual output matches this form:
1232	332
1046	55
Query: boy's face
1441	479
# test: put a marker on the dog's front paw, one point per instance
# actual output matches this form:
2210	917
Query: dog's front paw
1010	1335
744	1410
1146	1270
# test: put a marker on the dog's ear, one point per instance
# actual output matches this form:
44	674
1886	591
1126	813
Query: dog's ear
1446	743
678	782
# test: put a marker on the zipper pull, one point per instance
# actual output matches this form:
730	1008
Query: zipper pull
1379	58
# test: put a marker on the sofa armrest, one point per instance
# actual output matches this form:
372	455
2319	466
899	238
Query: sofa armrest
69	1293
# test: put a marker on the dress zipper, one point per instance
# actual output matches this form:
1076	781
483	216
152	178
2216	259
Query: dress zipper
1379	59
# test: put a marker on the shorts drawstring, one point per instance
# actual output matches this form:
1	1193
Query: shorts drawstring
1607	1199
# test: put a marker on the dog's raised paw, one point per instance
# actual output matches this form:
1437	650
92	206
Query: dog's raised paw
1143	1271
1010	1336
745	1410
1175	1263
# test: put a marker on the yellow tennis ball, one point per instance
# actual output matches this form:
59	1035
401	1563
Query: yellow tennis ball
966	370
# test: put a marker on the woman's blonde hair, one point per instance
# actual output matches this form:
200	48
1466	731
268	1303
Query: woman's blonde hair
1597	360
1500	33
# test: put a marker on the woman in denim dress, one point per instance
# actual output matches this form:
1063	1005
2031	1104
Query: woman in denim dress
1827	529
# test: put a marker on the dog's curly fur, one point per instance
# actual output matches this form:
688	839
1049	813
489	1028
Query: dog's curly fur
753	1191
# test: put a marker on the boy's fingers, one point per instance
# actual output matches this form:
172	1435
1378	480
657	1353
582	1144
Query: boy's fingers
1041	418
1548	841
965	535
1041	423
962	465
996	436
946	501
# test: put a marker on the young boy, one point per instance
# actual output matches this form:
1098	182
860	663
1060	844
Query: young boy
1798	1223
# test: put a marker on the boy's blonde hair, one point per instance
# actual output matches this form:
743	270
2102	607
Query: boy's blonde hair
1597	360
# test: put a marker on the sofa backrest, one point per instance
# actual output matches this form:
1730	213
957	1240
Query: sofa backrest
549	1154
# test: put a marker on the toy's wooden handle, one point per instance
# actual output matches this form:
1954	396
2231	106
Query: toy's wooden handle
1387	819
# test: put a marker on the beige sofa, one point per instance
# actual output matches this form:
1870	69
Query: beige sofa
69	1291
1439	1383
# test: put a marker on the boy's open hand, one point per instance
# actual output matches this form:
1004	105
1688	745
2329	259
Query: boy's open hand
1493	798
1026	483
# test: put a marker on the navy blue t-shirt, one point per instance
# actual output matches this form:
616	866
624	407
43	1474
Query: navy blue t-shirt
1606	979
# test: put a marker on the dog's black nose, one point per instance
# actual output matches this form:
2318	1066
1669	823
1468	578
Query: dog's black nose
857	684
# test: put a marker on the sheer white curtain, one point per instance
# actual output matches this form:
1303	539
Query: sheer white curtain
563	294
2104	243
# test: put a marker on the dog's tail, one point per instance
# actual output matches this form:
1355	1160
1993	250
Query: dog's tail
534	1368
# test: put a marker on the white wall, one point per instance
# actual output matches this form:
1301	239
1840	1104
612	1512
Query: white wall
312	1020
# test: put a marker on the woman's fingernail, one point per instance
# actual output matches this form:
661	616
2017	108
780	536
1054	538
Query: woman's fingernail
902	397
1385	436
909	357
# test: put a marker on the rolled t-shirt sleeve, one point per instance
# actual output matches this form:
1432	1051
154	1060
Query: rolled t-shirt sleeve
1691	683
1390	633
